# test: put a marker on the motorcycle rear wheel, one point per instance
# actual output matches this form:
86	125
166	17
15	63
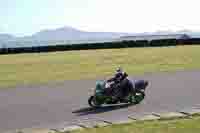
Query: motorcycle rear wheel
93	103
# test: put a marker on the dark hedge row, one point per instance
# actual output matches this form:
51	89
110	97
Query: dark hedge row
106	45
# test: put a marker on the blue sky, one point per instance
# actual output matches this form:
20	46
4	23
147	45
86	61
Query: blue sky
25	17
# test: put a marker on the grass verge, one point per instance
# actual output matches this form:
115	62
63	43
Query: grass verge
164	126
37	68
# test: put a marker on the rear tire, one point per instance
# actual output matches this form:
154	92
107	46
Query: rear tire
92	102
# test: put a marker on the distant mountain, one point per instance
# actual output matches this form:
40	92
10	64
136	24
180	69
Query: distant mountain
69	35
64	33
193	34
4	37
60	35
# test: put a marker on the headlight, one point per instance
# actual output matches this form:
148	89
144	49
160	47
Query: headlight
142	90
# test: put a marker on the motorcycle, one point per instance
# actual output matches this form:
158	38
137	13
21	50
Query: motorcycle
99	96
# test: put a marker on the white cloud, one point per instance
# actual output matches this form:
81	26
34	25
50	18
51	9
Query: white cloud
141	15
100	15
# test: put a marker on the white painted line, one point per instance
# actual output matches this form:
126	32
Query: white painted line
144	117
170	115
33	130
68	128
191	111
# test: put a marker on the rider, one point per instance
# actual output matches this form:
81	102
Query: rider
119	76
120	80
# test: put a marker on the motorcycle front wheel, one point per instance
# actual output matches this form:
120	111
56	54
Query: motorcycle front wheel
139	97
136	99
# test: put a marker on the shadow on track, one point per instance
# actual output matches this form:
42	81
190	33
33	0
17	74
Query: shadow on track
90	110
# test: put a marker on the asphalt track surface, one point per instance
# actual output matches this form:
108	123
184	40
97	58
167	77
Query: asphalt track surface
64	103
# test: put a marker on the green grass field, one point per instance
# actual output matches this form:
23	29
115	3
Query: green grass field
37	68
167	126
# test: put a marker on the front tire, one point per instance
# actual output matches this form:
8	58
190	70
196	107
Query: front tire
139	97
